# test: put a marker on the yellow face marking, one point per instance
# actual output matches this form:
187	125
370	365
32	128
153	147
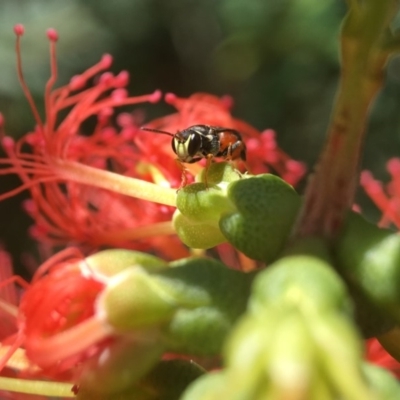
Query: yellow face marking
182	149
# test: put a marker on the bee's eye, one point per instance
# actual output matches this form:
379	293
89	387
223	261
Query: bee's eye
173	145
186	146
193	144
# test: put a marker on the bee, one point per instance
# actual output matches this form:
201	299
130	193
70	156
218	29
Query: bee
204	141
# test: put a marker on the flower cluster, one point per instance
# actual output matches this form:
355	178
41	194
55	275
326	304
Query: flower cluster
70	204
73	184
114	186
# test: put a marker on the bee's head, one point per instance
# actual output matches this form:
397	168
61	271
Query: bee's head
186	144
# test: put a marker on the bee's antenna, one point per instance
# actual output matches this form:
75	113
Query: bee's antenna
157	131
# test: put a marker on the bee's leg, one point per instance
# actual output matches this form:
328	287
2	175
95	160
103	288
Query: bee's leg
231	160
184	171
235	152
207	167
233	164
246	165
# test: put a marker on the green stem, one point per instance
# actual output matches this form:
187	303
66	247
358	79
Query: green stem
117	183
331	190
40	388
138	232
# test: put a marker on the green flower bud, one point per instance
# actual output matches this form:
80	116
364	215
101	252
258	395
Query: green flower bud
249	344
247	352
119	365
306	282
291	363
266	208
207	387
255	214
193	303
128	369
383	384
168	379
340	354
218	173
369	258
201	203
134	299
196	234
215	297
199	208
112	261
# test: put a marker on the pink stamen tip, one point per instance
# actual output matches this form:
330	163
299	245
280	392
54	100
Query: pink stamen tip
19	29
170	98
29	207
2	120
368	182
252	144
52	34
295	167
156	96
106	112
8	143
128	133
106	78
119	95
365	178
124	119
268	134
77	82
106	61
227	102
104	115
393	166
122	79
36	232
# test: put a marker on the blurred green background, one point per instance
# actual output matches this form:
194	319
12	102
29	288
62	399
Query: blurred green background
277	58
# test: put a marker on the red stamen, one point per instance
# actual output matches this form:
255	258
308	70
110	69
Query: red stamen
155	97
122	79
19	31
227	102
2	123
376	192
53	37
170	98
52	34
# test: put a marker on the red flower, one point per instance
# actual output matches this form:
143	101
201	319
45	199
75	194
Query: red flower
66	211
78	182
386	197
56	322
8	296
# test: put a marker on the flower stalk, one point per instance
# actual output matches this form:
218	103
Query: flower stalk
364	54
39	388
